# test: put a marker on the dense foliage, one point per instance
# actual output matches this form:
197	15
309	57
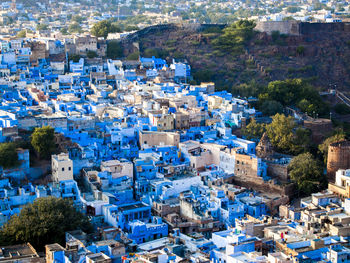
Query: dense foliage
8	155
254	130
43	222
235	36
285	135
306	172
114	50
295	92
43	141
103	28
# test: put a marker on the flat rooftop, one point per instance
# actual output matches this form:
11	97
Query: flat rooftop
132	206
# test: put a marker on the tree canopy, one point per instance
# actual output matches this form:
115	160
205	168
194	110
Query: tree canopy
103	28
271	107
74	28
43	141
280	132
284	133
254	130
44	222
306	172
295	92
114	50
235	36
8	155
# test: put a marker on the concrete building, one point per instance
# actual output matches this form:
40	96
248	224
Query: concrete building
118	168
62	167
147	138
341	186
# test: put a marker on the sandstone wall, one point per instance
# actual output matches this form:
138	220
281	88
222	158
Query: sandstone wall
284	27
338	158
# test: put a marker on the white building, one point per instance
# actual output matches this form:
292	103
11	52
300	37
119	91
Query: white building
62	167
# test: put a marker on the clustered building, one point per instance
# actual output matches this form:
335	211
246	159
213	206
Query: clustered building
161	174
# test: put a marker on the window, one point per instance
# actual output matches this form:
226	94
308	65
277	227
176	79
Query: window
62	169
69	168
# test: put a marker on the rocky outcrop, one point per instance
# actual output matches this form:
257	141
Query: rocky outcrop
320	53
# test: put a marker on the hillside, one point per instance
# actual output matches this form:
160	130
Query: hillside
321	55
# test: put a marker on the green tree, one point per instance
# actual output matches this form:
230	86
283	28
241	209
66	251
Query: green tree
74	28
74	57
43	141
133	56
306	172
323	147
114	50
64	31
295	92
22	34
280	132
78	18
302	141
8	155
271	107
235	36
254	130
44	222
103	28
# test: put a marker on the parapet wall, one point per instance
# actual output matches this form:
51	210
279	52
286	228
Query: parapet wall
300	28
308	28
284	27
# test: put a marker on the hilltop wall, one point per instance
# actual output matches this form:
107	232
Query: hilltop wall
284	27
296	28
